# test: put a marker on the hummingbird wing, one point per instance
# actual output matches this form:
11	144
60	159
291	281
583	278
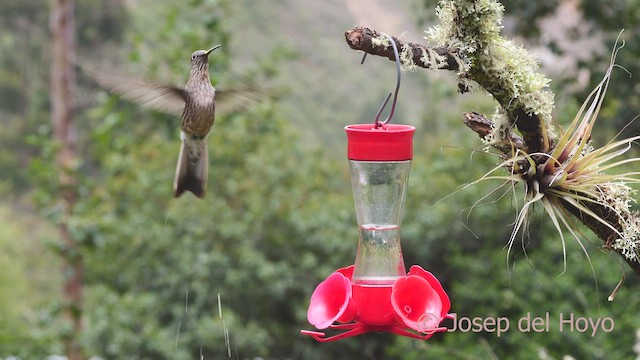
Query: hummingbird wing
236	99
154	95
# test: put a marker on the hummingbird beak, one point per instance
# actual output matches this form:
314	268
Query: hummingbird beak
213	48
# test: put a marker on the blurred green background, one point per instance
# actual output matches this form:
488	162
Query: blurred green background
278	217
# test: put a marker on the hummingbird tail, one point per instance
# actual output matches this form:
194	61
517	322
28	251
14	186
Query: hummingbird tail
191	174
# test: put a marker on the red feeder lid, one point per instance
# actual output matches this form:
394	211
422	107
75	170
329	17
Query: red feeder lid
389	142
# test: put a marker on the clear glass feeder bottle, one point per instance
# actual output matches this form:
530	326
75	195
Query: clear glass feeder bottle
379	161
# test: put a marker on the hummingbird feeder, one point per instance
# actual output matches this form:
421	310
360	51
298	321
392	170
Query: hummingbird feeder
376	293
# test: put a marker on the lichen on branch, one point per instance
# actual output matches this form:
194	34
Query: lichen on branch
506	70
374	43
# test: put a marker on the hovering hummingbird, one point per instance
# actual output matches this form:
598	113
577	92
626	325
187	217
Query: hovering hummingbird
197	103
197	118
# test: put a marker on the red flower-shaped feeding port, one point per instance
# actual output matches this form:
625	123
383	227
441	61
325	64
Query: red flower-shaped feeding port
413	306
331	301
420	301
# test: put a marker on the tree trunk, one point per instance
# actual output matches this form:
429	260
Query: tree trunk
65	136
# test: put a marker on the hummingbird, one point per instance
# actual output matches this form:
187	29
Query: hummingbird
197	119
196	101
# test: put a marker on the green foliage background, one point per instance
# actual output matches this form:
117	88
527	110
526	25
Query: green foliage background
278	217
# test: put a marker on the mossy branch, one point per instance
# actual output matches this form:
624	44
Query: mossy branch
372	42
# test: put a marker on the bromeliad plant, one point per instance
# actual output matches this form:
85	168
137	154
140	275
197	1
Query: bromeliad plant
573	177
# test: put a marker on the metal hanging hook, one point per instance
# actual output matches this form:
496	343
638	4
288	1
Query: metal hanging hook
395	93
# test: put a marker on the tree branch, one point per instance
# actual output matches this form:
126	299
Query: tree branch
483	127
604	232
362	38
